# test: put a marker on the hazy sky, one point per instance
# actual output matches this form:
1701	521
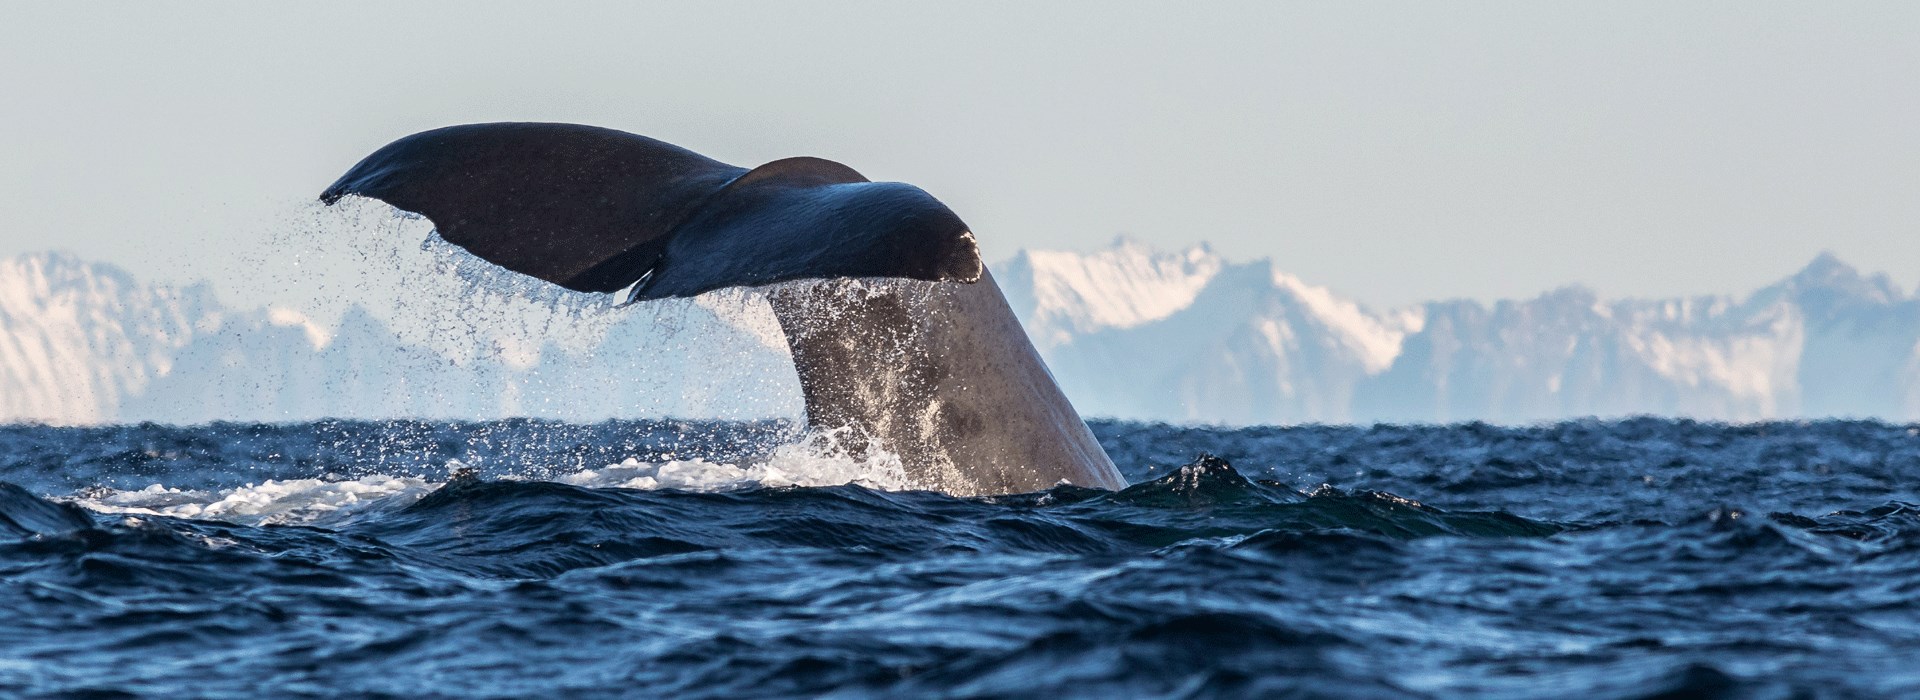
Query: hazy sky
1395	152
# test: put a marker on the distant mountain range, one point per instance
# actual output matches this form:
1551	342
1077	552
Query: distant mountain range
1128	331
84	343
1135	333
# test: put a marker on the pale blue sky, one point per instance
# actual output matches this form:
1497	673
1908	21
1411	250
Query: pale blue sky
1394	151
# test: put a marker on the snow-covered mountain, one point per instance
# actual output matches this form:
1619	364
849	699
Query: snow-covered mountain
1128	331
84	343
1185	336
1201	339
78	340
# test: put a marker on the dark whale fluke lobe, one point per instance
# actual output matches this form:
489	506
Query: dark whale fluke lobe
895	340
596	210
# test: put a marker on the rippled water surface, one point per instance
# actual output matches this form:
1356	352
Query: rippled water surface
1623	559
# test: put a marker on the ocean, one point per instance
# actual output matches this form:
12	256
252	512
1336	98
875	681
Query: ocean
1635	558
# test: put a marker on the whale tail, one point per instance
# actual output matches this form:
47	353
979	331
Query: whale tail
941	375
600	210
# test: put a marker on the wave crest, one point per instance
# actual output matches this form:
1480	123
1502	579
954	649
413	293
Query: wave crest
819	458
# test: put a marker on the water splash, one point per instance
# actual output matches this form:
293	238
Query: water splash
454	335
816	459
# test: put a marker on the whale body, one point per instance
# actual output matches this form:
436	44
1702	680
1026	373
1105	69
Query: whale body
900	337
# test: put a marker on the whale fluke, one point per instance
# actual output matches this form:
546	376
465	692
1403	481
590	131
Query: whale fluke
598	210
906	343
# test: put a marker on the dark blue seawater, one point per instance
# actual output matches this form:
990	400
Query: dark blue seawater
1644	558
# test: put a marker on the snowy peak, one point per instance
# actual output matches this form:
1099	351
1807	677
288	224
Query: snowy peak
1060	294
55	283
1373	338
1828	290
1133	332
1829	274
78	338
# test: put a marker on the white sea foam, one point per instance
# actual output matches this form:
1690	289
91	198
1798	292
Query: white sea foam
277	502
816	460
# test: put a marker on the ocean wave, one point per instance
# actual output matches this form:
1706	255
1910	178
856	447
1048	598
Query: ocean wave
818	459
531	558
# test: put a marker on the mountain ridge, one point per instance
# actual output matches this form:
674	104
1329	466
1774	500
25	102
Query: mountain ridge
1824	341
1128	331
